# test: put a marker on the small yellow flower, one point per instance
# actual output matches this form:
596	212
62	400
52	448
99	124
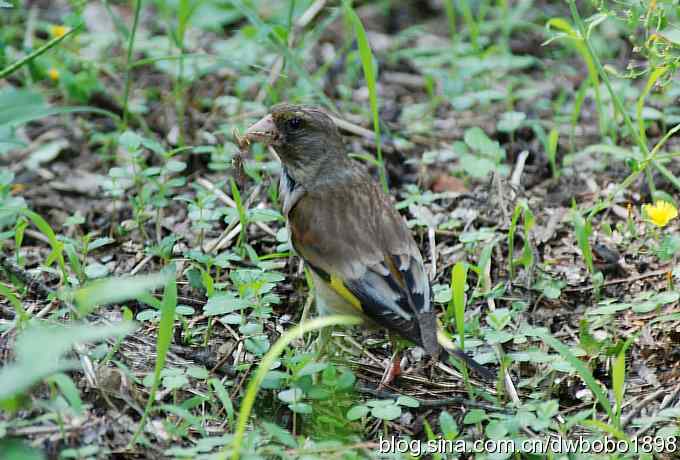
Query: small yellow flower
53	74
58	31
660	213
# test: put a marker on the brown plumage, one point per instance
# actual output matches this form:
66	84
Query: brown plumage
359	249
363	240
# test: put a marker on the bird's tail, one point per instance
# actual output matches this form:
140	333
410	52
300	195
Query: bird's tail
457	353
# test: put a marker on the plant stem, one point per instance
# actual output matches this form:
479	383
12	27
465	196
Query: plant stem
265	365
128	67
10	69
618	105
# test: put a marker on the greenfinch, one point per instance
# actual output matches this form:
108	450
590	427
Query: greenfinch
359	250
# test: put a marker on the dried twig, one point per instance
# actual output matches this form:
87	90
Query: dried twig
660	272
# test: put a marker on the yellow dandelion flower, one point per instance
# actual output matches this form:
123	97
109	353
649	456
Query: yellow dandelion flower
58	31
660	213
53	74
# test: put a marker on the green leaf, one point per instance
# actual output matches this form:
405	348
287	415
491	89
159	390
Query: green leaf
311	369
16	449
281	435
96	270
114	290
357	412
291	395
346	380
669	247
474	416
408	401
175	166
184	414
70	391
221	303
300	408
478	141
148	315
273	380
475	166
35	361
448	426
130	141
175	382
510	121
386	412
496	430
197	372
319	393
264	215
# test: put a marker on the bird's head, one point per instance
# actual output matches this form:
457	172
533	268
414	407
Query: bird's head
304	137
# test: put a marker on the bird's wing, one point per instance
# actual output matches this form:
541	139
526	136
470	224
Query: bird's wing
351	236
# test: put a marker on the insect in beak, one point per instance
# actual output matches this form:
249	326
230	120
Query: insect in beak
264	131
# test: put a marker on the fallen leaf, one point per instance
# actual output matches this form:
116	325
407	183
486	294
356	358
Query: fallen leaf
447	183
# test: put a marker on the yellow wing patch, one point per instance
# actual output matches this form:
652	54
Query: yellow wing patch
339	287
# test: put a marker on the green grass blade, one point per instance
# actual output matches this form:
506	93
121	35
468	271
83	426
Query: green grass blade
581	46
607	428
57	246
265	365
128	61
457	303
242	215
619	378
553	138
583	229
451	16
653	77
19	115
582	370
21	313
223	396
165	333
471	23
366	56
282	48
618	381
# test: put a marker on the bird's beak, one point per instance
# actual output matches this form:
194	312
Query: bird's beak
263	131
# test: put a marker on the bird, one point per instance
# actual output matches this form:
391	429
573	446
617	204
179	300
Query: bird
361	254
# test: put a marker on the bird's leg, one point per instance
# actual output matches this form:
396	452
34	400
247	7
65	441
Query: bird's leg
393	369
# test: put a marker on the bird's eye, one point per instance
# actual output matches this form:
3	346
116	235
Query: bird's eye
295	123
